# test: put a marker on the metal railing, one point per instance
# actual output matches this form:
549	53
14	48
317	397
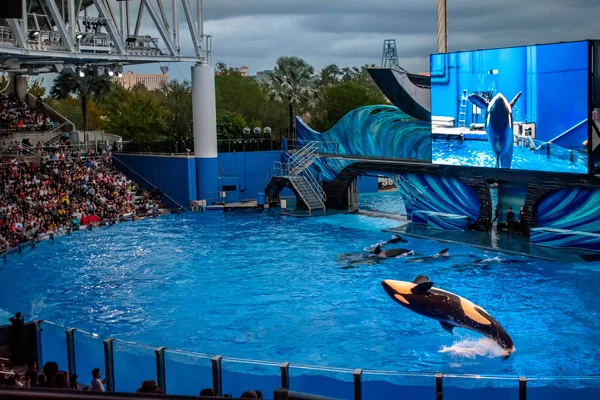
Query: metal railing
248	145
156	368
150	184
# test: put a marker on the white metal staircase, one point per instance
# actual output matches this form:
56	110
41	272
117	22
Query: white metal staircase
303	180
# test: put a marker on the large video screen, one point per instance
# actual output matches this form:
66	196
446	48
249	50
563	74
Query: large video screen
514	108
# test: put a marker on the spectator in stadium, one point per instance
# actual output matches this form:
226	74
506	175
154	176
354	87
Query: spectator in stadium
97	383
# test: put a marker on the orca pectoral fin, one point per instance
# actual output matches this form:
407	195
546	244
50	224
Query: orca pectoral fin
447	327
422	287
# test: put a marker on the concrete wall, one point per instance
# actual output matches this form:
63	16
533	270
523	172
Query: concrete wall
174	176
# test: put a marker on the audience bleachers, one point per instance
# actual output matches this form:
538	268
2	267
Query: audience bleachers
67	191
17	116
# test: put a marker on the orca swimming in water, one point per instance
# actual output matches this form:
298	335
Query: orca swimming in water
391	253
448	308
396	239
498	125
443	253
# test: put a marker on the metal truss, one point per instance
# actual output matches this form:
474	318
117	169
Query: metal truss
58	34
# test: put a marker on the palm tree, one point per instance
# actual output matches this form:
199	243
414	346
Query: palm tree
90	85
293	81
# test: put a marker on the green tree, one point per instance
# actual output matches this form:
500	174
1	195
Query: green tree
177	103
338	100
293	82
69	108
135	114
329	76
36	87
230	125
90	86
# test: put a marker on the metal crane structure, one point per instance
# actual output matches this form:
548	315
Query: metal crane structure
54	35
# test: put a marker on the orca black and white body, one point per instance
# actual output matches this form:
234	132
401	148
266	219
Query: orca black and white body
429	259
396	239
498	126
448	308
391	253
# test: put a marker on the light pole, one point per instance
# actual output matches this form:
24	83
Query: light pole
442	24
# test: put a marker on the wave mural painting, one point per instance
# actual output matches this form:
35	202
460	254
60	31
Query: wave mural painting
378	131
439	194
573	209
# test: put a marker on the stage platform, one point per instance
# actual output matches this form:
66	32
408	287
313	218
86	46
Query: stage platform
492	241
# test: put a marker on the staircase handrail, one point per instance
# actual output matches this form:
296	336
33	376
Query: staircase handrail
149	183
315	186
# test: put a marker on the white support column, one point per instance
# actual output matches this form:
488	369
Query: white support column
205	131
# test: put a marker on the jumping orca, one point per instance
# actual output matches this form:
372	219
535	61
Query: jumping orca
498	125
391	253
448	308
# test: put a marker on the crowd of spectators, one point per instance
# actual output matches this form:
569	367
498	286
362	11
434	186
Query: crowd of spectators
52	377
69	192
17	115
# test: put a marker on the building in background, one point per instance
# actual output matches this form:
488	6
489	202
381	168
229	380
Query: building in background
244	71
262	75
150	81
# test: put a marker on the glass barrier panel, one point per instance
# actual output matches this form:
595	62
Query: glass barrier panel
567	388
241	375
397	385
134	364
333	382
472	387
89	354
187	373
54	345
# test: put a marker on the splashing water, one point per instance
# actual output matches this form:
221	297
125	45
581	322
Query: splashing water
471	348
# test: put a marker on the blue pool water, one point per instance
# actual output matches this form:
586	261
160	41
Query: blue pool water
479	154
270	287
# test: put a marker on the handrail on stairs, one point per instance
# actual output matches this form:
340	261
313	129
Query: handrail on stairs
149	183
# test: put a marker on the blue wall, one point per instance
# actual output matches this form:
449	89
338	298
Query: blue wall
553	79
576	209
248	171
174	176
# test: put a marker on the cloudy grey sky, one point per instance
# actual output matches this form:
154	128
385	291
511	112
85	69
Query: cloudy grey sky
351	32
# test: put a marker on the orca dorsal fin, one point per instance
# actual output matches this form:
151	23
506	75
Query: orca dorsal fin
421	279
512	103
479	101
377	249
447	327
422	287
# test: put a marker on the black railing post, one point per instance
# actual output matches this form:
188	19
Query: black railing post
285	375
161	376
38	342
109	365
358	384
522	388
281	394
439	389
71	351
217	375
